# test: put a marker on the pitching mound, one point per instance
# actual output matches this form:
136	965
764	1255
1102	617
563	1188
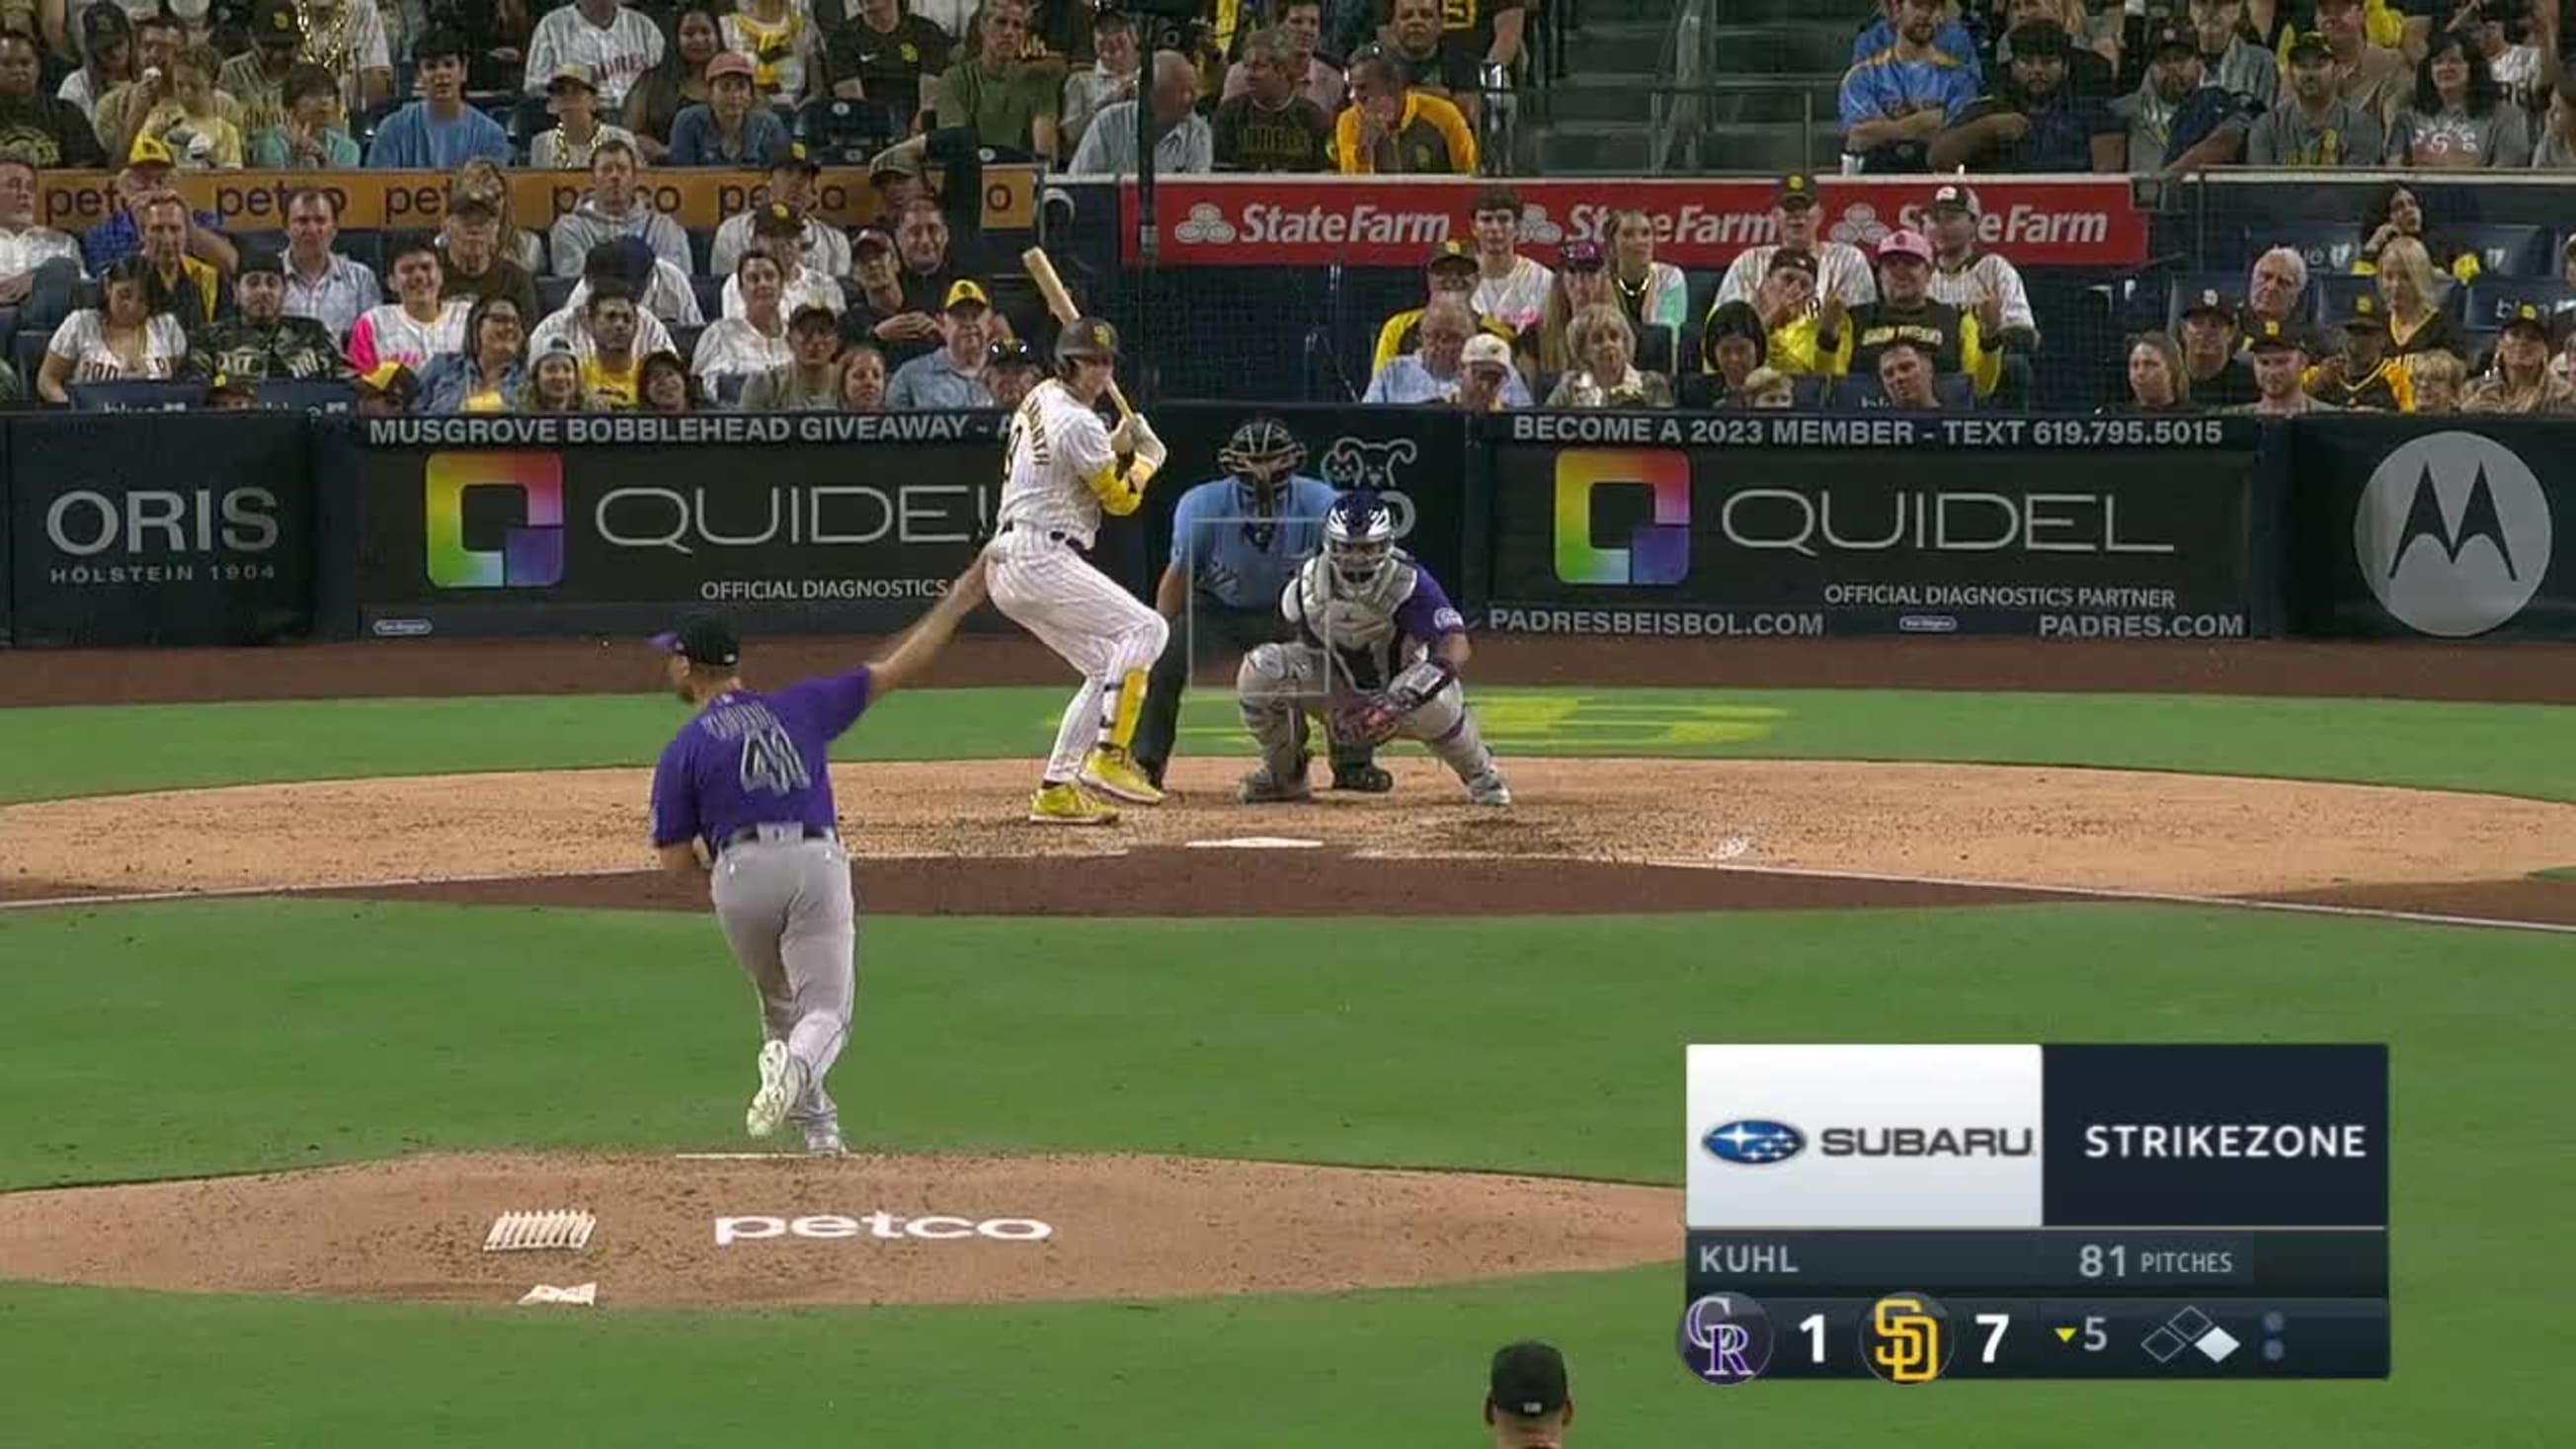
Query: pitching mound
2021	827
868	1229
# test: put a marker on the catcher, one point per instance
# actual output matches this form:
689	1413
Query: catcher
1378	650
1236	541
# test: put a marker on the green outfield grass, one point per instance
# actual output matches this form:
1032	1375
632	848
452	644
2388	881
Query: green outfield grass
243	1035
202	1037
2513	749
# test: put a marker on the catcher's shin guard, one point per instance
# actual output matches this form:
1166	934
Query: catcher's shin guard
1448	728
1269	695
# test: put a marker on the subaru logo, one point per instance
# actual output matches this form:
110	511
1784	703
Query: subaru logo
1753	1142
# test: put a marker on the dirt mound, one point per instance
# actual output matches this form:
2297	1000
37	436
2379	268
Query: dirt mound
741	1232
1991	824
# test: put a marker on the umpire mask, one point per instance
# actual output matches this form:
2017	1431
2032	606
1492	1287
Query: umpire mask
1262	455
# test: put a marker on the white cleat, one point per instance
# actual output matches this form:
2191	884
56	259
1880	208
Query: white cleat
1489	789
778	1090
825	1142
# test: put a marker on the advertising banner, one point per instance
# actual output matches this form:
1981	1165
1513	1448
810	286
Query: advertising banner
1800	526
2443	528
1415	456
614	523
417	200
1700	222
109	544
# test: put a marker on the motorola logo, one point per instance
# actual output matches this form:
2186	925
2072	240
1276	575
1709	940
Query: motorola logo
2453	534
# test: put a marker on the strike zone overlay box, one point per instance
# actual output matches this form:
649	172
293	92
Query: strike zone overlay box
1917	1212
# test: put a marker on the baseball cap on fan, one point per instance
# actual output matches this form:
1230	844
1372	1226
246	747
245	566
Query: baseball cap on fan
1528	1380
709	639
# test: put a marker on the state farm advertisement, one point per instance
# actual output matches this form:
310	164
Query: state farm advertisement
1700	223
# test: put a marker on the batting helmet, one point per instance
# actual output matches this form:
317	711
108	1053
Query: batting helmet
1359	536
1087	337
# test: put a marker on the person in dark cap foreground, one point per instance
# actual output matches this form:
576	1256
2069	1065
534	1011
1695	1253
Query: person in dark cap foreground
1527	1403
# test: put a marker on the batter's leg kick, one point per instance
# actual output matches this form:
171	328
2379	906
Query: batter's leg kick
1280	685
788	914
1112	639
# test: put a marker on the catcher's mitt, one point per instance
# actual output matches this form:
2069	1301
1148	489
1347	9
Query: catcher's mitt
1366	719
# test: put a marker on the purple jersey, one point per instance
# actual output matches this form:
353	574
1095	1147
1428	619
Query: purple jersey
755	759
1372	642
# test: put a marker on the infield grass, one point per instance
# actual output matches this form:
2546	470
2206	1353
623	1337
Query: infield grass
239	1035
2504	748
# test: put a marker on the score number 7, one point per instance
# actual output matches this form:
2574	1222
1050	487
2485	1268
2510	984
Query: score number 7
1813	1325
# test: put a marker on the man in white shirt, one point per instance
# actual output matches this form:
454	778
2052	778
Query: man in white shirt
1183	143
320	283
1110	78
778	230
347	38
618	264
791	184
40	268
1841	270
1975	281
1510	288
619	44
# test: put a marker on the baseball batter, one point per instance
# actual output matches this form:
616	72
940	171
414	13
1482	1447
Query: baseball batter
743	798
1379	648
1063	473
1236	541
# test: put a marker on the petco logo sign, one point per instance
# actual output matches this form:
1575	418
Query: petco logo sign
882	1226
1229	221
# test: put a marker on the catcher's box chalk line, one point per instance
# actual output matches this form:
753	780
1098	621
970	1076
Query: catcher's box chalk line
1257	842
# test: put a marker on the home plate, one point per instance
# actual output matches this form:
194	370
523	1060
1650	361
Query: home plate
1257	842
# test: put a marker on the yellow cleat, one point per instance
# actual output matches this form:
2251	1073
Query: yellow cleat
1064	803
1111	771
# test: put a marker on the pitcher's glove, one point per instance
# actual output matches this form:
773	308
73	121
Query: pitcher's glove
1367	719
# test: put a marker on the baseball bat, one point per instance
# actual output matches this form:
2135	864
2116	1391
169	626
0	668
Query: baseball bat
1060	302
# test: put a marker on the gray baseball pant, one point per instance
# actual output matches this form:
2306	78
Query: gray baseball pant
788	913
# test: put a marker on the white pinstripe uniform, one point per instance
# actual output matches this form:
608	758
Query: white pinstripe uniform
1050	509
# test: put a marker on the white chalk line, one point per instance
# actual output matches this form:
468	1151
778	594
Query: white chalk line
2168	898
2106	893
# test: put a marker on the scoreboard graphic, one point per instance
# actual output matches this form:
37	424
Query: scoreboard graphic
1918	1213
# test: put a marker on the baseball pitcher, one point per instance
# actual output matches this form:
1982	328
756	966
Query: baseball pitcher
743	798
1378	650
1063	472
1236	541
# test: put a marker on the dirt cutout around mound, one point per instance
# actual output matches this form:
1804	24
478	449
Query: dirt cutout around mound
866	1229
2001	825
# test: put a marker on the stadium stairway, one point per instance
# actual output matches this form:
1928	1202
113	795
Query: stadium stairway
1773	67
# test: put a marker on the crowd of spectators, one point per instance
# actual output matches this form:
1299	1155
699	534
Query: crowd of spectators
477	314
2173	86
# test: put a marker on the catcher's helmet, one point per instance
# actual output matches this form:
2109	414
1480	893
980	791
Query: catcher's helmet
1359	536
1087	337
1262	452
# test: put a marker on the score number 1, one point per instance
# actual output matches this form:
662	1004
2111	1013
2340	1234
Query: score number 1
1813	1325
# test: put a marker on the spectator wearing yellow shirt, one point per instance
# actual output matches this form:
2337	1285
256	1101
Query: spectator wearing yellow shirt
177	283
2363	376
613	373
1388	130
192	121
1794	326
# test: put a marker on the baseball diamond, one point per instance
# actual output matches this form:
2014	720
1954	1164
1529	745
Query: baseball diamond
1127	1130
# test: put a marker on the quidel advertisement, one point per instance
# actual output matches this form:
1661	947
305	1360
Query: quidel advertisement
2427	527
615	522
1781	526
108	544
